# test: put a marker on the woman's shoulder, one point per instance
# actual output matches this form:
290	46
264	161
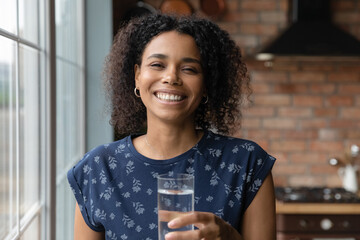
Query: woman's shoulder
104	155
231	142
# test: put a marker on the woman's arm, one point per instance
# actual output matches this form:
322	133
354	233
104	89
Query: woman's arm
82	230
258	221
259	218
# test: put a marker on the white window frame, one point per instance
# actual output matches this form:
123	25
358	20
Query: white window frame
46	207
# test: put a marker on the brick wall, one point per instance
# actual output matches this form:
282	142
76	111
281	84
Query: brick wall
304	111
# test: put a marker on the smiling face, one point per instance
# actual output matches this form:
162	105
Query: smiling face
170	78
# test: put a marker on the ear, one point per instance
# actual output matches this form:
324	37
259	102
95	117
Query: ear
137	73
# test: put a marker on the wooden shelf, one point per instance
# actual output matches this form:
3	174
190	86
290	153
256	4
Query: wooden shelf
317	208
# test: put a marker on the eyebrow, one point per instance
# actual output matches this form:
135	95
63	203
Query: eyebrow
186	59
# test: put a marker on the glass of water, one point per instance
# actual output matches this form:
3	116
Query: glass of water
175	198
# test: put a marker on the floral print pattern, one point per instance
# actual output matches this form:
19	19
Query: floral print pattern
116	187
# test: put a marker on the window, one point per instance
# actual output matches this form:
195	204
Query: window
70	106
24	72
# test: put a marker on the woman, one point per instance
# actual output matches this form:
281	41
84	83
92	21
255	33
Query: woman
177	78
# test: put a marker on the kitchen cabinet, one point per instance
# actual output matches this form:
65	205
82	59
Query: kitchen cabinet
318	221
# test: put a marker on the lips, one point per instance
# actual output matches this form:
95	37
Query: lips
169	97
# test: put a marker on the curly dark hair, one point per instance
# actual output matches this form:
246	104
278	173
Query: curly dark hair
225	74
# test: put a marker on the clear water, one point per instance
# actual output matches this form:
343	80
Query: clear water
173	203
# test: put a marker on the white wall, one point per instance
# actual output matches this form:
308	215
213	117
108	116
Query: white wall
98	42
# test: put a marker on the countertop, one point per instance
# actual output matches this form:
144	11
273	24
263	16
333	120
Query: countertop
317	208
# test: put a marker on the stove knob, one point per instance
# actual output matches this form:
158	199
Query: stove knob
346	224
303	223
326	224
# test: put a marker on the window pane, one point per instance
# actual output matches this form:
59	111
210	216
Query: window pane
29	20
69	29
65	210
7	136
33	231
29	105
8	19
69	106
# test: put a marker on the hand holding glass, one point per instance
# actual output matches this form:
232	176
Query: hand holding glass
175	198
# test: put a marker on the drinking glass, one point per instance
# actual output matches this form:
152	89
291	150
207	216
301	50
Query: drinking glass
175	198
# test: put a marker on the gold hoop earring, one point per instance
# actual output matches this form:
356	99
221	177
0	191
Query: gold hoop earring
137	92
206	100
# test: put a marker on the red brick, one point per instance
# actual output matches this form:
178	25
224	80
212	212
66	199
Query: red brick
276	123
273	17
290	168
313	123
357	101
294	112
333	180
300	134
349	89
316	66
259	112
290	88
243	17
307	157
306	180
349	66
245	41
325	112
308	100
251	123
307	77
322	88
350	113
272	100
343	123
329	134
284	66
232	5
339	100
230	27
323	169
261	87
288	146
258	28
343	5
347	17
344	77
269	77
327	146
265	133
257	5
352	134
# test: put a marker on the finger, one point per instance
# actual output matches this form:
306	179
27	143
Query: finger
184	235
192	218
167	216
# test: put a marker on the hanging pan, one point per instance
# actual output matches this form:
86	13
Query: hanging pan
213	8
179	7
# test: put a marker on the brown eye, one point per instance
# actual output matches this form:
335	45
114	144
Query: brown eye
190	70
157	65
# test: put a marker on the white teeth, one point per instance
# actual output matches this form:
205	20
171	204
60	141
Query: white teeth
168	97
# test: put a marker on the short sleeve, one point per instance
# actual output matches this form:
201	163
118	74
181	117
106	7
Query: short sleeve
259	167
80	177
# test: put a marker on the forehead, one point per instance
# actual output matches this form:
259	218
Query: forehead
173	43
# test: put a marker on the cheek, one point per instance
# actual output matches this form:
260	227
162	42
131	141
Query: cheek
146	78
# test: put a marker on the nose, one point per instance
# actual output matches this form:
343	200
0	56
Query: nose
171	77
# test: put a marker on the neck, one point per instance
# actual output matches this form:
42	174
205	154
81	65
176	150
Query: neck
168	142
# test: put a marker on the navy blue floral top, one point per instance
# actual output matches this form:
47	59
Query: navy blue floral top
116	188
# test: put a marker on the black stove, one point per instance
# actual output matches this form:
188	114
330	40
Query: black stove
315	195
